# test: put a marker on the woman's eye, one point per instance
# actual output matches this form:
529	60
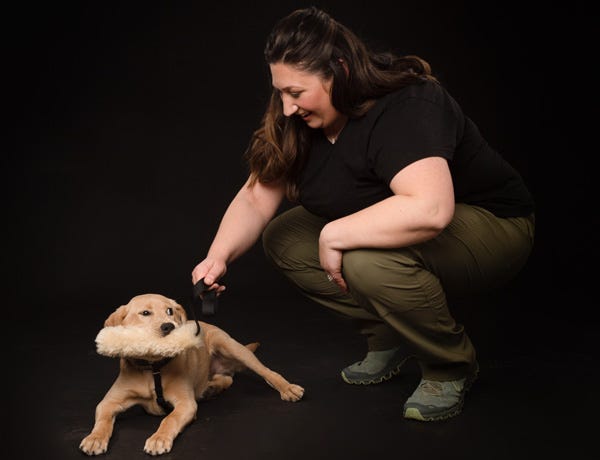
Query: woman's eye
295	95
146	313
170	311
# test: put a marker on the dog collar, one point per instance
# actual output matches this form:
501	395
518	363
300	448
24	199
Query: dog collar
149	365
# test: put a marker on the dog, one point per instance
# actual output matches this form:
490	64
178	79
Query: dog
167	364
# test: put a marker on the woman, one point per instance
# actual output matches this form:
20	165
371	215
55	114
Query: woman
401	204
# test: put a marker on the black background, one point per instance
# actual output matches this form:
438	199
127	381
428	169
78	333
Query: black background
124	148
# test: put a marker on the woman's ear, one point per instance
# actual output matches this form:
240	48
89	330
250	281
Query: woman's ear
116	317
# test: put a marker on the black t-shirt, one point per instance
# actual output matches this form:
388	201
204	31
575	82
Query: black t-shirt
416	122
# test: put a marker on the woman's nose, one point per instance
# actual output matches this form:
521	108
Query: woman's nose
289	108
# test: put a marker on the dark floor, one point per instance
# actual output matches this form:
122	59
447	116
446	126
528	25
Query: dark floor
535	395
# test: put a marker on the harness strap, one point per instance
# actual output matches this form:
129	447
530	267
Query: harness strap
155	368
166	405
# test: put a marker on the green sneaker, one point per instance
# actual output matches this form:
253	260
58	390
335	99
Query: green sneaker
438	400
377	367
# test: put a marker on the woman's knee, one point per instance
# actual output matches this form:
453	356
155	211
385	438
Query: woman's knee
289	242
366	269
393	278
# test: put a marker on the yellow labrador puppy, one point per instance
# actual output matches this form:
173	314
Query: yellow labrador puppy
167	364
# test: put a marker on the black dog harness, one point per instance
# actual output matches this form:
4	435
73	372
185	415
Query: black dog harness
155	367
208	300
162	402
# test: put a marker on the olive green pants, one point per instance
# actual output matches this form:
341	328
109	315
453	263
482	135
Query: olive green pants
399	296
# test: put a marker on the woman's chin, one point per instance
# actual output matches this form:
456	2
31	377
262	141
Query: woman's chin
313	123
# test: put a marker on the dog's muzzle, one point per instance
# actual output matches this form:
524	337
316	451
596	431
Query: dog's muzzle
166	328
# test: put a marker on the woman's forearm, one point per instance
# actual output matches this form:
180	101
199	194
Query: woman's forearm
244	220
421	207
397	221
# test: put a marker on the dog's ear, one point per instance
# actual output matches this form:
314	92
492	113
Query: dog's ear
180	314
116	317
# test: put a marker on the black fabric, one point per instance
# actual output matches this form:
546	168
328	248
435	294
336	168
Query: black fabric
155	367
416	122
208	300
160	399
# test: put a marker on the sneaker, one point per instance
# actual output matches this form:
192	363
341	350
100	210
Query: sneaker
377	367
434	400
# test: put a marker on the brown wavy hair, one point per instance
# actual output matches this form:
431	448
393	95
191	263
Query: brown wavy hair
310	40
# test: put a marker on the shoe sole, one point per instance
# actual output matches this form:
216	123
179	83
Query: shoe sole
378	378
413	413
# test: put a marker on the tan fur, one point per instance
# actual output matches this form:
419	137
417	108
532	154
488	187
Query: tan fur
198	372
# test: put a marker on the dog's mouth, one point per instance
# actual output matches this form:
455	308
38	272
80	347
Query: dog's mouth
166	328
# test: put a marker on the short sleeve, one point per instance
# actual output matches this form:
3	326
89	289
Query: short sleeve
410	129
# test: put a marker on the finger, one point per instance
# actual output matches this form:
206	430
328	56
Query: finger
209	280
197	276
213	275
338	279
213	286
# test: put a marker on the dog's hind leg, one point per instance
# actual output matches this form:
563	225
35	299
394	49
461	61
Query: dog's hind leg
217	384
232	349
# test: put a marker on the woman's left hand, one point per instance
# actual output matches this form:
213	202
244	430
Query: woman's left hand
331	261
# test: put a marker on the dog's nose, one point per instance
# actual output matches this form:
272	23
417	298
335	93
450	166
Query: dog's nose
166	328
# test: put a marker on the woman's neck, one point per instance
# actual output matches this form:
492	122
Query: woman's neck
333	131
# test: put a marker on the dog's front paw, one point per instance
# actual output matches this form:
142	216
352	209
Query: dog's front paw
158	444
292	393
94	444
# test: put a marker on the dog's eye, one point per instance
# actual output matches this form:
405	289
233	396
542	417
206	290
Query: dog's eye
146	313
170	311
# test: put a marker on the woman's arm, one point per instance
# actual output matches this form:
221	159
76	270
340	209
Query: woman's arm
421	207
242	224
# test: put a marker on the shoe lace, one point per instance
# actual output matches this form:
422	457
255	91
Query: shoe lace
432	388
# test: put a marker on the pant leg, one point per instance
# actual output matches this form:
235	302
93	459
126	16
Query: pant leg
412	301
291	243
477	252
405	287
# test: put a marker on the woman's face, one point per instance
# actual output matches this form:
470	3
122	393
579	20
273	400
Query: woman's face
306	95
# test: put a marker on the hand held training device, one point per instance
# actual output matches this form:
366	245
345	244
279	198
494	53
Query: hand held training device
208	298
208	301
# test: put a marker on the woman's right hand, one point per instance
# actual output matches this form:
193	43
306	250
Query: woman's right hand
211	270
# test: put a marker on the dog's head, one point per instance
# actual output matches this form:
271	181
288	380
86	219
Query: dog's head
149	327
151	311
